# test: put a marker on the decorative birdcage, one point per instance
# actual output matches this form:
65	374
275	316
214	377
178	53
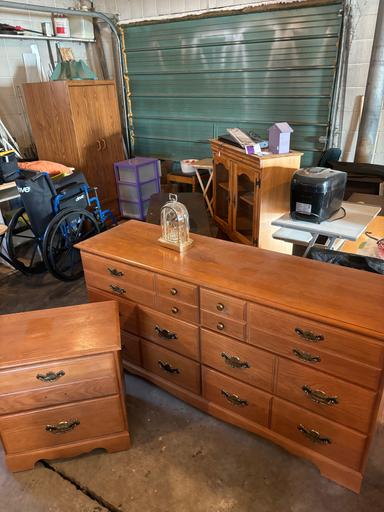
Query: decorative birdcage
174	220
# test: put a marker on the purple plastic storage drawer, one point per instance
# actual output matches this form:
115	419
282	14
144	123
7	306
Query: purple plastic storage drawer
137	170
134	210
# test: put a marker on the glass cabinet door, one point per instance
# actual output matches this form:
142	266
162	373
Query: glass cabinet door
222	193
244	206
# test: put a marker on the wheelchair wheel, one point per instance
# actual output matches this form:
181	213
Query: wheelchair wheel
24	248
65	230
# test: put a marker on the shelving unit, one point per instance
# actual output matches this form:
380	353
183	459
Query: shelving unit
248	198
47	38
224	185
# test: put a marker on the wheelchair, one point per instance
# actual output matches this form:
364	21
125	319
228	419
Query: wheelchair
56	215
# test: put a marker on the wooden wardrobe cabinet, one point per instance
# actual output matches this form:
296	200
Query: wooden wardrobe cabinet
249	192
77	123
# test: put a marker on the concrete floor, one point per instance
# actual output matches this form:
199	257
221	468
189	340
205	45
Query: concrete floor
181	460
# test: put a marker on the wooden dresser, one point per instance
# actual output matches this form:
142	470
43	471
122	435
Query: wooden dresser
287	348
61	388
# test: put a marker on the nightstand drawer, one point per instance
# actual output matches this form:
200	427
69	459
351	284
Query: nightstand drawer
61	425
130	348
223	305
222	325
170	333
236	397
171	366
179	290
328	396
239	360
330	439
177	309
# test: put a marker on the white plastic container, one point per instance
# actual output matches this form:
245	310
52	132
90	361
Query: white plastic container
61	25
81	27
186	167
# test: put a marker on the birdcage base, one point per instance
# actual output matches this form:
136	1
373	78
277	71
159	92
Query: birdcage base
176	247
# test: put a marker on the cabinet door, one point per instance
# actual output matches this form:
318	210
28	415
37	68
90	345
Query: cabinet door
245	208
222	191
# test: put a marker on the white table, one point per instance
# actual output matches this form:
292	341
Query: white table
207	165
355	222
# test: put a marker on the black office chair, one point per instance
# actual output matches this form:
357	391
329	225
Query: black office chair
346	259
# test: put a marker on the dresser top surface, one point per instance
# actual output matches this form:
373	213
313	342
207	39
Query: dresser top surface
328	292
50	334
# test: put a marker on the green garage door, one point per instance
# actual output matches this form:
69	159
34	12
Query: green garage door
190	80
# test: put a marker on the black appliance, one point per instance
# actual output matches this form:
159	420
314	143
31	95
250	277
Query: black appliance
316	193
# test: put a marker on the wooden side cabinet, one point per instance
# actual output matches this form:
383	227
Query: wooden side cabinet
249	192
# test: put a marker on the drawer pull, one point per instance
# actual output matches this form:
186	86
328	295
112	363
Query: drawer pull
309	335
167	367
117	289
164	333
175	310
220	306
319	397
313	435
115	272
173	291
62	427
305	356
50	376
220	326
234	361
234	399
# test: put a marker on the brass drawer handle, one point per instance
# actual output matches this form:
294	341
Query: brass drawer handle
234	399
173	291
309	335
305	356
313	435
220	306
220	326
168	368
175	310
234	361
164	333
117	289
319	397
115	272
62	427
50	376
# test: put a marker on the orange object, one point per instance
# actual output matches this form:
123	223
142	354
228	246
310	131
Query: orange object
52	168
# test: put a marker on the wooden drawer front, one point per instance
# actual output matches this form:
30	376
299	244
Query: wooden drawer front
332	440
347	369
120	273
237	359
173	334
127	310
235	396
295	329
179	290
177	309
222	305
118	290
333	398
171	366
223	325
92	418
130	348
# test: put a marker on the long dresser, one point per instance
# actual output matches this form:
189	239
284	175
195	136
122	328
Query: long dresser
287	348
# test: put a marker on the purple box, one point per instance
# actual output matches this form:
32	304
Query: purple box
279	138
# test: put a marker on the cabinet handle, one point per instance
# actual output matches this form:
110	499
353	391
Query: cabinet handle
117	289
115	272
164	333
167	367
220	326
103	144
50	376
173	291
220	306
98	145
175	310
234	361
309	335
234	399
313	435
305	356
62	427
319	397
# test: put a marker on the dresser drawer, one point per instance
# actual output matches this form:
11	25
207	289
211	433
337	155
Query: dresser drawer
328	396
223	325
329	362
317	335
223	305
239	360
179	290
120	273
169	332
171	366
235	396
326	437
41	429
118	289
130	348
177	309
